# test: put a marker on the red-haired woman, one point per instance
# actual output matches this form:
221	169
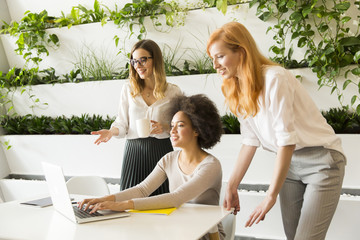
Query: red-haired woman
275	111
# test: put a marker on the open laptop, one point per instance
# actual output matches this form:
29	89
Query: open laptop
62	202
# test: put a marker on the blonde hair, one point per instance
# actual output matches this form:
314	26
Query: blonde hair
242	91
138	84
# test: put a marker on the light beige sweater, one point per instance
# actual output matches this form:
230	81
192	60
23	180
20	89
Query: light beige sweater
202	186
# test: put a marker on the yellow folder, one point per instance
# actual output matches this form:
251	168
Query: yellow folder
163	211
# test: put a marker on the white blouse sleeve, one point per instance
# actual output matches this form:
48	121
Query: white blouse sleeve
122	119
280	96
248	136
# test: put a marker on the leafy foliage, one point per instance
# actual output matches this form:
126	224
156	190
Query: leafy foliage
32	38
342	120
18	77
321	27
81	15
231	123
60	125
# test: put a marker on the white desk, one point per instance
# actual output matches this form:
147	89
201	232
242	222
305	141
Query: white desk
190	221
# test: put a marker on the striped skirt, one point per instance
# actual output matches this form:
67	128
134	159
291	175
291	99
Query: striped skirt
140	157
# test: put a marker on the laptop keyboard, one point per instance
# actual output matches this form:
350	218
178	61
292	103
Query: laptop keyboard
85	214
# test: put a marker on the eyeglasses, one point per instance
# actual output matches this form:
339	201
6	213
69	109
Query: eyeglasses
142	61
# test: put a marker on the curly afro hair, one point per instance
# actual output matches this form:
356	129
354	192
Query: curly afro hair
204	117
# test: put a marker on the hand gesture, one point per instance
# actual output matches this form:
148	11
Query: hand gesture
156	127
231	200
260	211
105	135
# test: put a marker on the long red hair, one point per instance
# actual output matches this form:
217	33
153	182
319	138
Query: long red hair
243	90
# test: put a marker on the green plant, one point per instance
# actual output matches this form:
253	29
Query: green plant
356	123
6	144
198	66
6	91
171	60
231	123
81	15
199	59
133	15
20	80
339	119
322	28
98	66
30	124
222	5
72	76
32	38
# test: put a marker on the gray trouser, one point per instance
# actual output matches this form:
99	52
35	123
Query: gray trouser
311	192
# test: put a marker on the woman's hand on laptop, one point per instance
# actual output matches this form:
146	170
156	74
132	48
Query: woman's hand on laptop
111	205
105	203
87	203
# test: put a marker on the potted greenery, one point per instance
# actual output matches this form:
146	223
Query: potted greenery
342	120
330	54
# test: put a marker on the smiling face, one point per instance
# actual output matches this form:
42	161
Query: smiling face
225	60
182	131
145	71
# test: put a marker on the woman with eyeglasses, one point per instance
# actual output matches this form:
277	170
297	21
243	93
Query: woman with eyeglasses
145	95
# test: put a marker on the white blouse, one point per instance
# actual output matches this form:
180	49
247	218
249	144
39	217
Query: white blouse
287	116
131	109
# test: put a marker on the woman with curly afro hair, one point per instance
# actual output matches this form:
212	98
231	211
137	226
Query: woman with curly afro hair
194	175
203	115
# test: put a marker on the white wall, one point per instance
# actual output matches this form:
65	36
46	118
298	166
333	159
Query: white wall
102	97
4	67
4	170
73	152
4	15
199	24
4	166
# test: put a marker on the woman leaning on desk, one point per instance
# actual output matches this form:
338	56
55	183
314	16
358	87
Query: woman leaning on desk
194	175
275	111
146	95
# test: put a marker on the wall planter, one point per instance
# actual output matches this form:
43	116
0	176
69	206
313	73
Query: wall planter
72	42
73	39
102	97
95	97
77	154
80	156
